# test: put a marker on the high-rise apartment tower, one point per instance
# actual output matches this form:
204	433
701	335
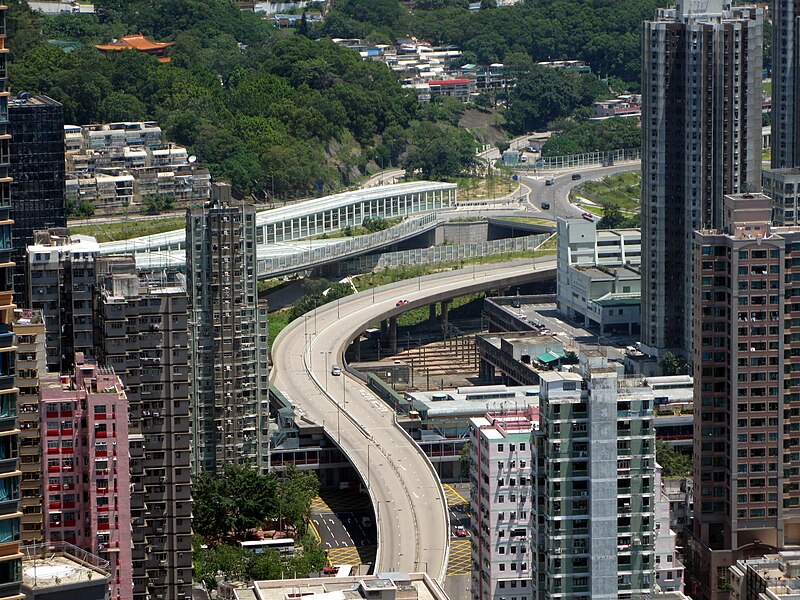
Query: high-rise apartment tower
37	145
10	563
141	331
701	139
785	84
228	334
747	394
563	497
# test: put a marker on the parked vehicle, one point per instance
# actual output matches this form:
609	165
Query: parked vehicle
549	181
545	206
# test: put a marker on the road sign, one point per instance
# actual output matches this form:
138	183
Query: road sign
515	177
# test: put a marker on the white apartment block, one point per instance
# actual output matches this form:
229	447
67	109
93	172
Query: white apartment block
598	275
501	503
564	494
669	568
119	165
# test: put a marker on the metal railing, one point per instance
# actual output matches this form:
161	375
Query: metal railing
607	158
46	550
588	159
271	267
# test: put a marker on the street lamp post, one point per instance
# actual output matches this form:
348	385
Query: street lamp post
325	354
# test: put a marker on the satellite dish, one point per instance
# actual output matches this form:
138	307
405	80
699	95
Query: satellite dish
192	158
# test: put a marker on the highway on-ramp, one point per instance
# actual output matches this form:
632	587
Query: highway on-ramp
407	496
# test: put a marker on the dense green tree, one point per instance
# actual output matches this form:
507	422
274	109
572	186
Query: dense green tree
673	463
440	4
23	27
378	13
375	224
118	106
614	219
295	492
464	461
275	115
593	136
439	152
238	500
673	365
542	95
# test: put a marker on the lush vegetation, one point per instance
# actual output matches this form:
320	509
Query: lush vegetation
604	33
593	136
125	230
673	463
239	500
317	293
613	218
622	190
268	111
543	95
227	508
238	564
672	364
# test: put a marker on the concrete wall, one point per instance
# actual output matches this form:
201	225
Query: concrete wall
462	232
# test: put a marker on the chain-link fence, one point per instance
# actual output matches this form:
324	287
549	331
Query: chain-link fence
576	161
443	254
271	267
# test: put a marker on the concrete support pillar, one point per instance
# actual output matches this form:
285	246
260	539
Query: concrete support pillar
393	334
445	306
486	372
384	329
431	315
357	348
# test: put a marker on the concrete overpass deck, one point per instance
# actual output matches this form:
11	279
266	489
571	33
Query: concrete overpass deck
409	503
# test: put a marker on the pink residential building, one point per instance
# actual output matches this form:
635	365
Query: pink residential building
85	467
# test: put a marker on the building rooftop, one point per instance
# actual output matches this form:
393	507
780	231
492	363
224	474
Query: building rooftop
604	273
620	299
555	376
28	317
70	244
413	586
136	42
499	425
61	565
472	401
27	99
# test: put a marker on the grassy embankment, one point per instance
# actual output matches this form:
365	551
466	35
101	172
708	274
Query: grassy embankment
125	230
280	319
621	190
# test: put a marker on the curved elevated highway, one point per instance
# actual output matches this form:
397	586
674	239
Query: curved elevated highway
409	503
